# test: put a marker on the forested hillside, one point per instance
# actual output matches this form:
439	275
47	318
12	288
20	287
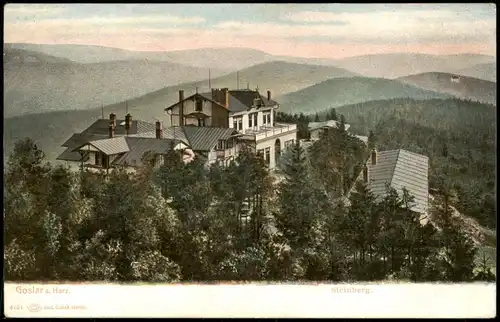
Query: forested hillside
337	92
458	136
184	222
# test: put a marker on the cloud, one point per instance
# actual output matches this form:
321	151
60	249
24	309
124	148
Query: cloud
13	11
381	26
114	21
284	29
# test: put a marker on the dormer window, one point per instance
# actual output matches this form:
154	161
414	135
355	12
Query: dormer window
199	105
257	102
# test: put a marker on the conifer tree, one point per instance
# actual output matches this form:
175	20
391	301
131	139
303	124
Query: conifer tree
299	200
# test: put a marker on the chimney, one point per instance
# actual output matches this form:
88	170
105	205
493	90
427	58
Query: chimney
268	95
128	122
181	107
226	97
112	119
221	96
159	130
365	174
111	129
374	157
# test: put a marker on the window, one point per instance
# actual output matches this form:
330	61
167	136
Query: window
268	155
199	105
229	143
266	118
201	122
252	120
238	123
98	160
101	159
220	145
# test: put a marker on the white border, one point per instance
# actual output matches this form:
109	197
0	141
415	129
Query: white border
403	300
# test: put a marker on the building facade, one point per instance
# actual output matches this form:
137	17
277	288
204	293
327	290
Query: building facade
250	114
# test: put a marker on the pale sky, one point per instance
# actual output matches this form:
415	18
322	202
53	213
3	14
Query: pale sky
307	30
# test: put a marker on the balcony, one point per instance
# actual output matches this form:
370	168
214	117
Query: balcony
266	131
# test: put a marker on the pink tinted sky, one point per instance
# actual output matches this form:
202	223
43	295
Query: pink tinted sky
328	31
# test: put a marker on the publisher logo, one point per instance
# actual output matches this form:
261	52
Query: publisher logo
34	308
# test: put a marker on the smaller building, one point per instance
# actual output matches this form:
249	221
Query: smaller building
124	144
399	169
316	129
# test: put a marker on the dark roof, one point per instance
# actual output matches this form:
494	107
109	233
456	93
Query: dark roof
247	97
69	155
138	146
239	100
78	139
401	168
101	127
206	138
242	99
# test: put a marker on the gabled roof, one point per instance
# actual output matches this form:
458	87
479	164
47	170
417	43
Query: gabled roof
139	146
200	95
401	168
206	138
110	146
239	100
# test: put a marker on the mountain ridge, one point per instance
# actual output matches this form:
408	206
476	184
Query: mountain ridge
456	85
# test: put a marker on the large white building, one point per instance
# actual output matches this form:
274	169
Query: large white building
246	111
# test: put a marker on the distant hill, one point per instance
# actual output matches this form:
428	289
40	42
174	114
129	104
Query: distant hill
344	91
53	128
37	82
216	58
402	64
16	57
281	77
486	71
378	65
460	86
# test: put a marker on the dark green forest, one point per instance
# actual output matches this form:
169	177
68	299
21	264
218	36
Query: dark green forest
187	222
458	136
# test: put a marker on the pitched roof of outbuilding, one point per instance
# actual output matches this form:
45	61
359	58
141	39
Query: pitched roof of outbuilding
401	168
